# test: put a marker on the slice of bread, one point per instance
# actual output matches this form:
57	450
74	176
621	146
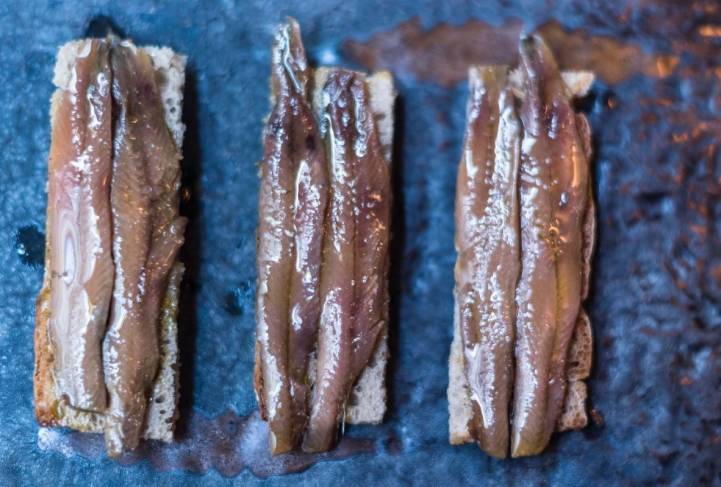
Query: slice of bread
580	354
163	401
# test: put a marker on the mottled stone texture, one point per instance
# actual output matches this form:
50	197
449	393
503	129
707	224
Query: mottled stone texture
656	285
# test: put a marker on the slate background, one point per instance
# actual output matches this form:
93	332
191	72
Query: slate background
657	279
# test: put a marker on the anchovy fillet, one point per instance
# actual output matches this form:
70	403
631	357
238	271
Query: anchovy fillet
355	258
554	191
487	242
147	234
291	212
80	232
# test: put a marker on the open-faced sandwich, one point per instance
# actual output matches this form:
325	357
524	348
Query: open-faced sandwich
525	229
106	356
322	256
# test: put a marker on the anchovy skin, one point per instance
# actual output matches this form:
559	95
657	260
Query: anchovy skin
355	257
147	234
487	242
292	206
80	228
553	193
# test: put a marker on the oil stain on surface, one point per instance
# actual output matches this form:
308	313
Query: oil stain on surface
442	54
228	444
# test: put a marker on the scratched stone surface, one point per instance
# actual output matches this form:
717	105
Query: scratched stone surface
656	384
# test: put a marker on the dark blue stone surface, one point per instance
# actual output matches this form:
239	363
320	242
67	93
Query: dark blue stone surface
657	280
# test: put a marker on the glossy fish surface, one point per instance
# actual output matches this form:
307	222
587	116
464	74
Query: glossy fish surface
487	242
79	227
355	251
291	214
147	234
553	193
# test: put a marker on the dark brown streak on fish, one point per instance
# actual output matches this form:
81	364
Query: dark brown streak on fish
554	191
487	269
291	215
355	258
80	228
147	236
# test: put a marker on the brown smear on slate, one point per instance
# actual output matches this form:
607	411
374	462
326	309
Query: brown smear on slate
443	53
227	443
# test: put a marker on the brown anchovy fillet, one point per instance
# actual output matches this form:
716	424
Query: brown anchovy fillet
554	194
147	234
80	229
488	262
292	204
355	257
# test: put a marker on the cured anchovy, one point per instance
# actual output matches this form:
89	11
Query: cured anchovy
292	207
553	196
355	257
487	242
147	234
80	256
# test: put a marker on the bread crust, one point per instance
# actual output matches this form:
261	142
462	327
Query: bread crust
163	400
43	383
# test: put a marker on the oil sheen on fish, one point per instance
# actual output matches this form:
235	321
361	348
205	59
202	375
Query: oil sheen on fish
553	197
355	257
292	208
79	228
487	242
147	234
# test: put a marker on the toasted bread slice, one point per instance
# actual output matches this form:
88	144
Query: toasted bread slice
163	401
580	354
